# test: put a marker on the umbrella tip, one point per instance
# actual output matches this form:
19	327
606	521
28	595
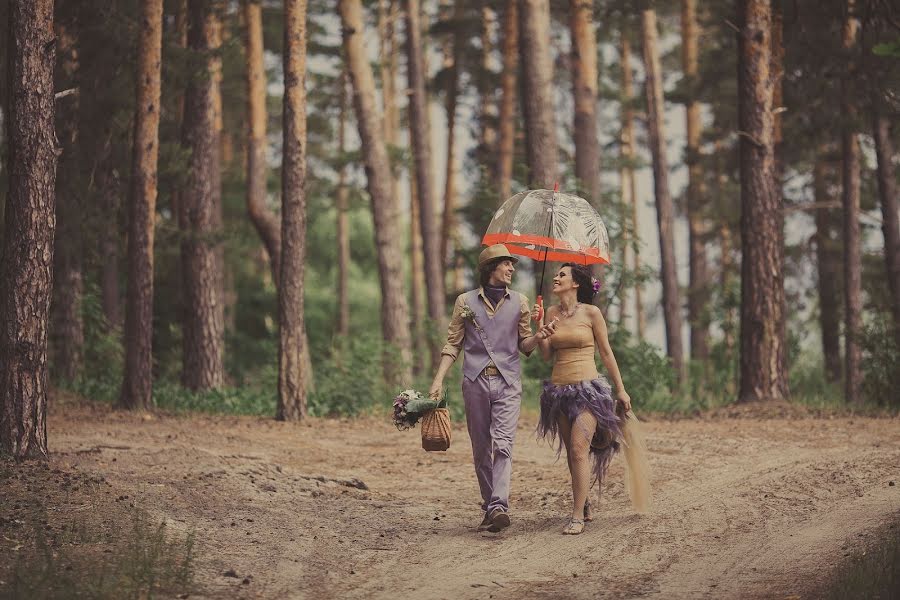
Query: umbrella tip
556	187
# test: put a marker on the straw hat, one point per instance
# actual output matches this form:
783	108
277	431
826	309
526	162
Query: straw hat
493	253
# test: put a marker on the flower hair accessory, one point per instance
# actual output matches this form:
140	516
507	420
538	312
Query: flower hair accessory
595	284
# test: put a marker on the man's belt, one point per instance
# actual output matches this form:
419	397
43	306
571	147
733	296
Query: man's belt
491	371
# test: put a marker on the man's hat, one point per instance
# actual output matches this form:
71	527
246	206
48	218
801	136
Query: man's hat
493	253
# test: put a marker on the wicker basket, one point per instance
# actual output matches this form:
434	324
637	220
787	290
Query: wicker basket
436	430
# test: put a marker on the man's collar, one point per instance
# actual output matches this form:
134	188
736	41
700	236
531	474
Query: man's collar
482	294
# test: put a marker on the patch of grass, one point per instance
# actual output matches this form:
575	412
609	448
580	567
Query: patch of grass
247	400
142	561
873	573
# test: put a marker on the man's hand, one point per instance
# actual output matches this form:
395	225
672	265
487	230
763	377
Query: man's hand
537	314
437	389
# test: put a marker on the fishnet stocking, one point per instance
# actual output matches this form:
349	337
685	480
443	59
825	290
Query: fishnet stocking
577	440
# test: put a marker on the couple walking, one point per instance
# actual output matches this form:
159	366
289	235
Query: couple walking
491	325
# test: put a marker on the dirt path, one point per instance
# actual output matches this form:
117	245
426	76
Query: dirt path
743	507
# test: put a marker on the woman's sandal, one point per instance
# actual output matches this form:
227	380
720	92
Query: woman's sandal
575	527
588	512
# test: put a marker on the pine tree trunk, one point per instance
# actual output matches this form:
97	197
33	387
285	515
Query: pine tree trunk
431	241
110	238
448	222
890	223
200	214
828	264
763	373
343	220
537	74
266	222
226	297
850	197
387	18
698	291
394	308
418	280
137	384
292	385
487	110
508	85
26	267
584	84
628	182
665	214
67	324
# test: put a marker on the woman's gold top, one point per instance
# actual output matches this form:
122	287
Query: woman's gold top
573	342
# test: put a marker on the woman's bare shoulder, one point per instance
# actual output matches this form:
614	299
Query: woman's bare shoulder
592	310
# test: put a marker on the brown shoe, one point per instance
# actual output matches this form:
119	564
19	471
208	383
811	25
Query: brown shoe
485	523
499	520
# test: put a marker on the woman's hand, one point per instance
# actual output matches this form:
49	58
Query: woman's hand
547	330
624	399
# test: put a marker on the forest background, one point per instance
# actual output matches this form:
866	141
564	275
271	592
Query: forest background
480	139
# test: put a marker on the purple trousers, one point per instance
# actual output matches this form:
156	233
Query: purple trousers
492	413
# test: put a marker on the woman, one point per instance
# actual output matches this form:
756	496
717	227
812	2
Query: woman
577	404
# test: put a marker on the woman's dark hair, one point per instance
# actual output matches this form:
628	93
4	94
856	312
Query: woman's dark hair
582	277
484	273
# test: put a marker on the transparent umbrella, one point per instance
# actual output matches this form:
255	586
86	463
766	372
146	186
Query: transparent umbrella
549	225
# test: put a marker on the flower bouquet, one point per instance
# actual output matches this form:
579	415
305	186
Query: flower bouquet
410	406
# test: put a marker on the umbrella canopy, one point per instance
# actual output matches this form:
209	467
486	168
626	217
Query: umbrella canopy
548	225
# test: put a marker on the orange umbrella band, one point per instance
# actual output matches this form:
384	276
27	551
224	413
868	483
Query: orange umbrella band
554	250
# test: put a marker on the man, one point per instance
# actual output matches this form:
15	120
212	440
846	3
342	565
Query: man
491	324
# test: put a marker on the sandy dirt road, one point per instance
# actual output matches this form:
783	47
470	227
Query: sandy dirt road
742	507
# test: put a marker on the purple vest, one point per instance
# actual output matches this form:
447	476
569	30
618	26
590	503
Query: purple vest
495	339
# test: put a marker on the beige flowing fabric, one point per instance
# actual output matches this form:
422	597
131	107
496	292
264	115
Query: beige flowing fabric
637	467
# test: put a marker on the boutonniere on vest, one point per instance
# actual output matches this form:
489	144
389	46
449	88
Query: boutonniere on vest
468	314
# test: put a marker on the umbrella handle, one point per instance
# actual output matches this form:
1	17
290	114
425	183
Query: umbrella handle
540	303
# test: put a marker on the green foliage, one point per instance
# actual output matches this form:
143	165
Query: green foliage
889	49
350	381
881	357
148	561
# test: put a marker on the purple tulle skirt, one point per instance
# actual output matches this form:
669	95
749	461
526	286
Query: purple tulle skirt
594	396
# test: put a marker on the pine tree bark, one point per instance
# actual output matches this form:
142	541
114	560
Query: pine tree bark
665	214
292	385
266	222
850	198
109	247
448	221
629	187
343	220
418	280
537	74
763	372
387	55
487	110
394	308
828	266
508	86
584	84
200	214
67	324
26	268
890	216
698	294
137	383
431	240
